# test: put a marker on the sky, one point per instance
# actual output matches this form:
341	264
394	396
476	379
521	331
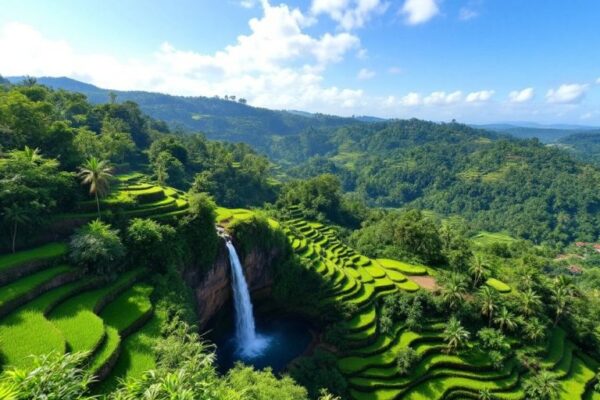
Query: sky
476	61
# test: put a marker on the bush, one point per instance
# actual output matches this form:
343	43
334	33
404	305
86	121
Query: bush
198	231
405	359
151	244
97	249
52	376
317	372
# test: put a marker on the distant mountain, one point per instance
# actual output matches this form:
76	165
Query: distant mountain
529	130
216	117
583	145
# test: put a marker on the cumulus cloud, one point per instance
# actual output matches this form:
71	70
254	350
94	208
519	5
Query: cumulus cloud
365	74
567	93
521	96
443	98
419	11
349	14
479	97
276	65
247	3
412	99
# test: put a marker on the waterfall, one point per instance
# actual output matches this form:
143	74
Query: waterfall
249	343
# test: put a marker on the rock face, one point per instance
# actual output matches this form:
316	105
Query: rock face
213	290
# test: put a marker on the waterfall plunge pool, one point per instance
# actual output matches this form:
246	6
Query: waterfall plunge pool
286	338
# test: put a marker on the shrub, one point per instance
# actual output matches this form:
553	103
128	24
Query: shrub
52	376
97	249
198	230
319	371
151	244
406	358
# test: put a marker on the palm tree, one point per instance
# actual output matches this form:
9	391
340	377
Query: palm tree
561	296
542	386
488	298
478	270
455	335
530	302
505	319
453	291
97	174
485	394
535	330
15	215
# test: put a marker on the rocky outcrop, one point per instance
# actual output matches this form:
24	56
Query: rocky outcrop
213	290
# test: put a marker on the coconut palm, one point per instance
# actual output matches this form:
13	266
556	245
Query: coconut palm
15	216
485	394
97	174
453	291
488	300
530	302
542	386
478	270
562	297
505	319
455	335
534	330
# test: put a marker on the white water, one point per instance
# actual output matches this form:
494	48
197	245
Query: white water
249	343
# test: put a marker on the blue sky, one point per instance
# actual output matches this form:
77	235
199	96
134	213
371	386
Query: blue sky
477	61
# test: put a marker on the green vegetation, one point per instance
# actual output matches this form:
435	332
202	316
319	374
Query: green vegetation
498	285
43	253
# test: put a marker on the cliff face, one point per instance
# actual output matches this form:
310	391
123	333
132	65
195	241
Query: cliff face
213	290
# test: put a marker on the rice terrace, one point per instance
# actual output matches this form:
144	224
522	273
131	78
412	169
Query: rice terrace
299	200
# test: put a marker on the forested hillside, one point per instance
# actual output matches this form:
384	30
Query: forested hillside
222	118
495	182
585	146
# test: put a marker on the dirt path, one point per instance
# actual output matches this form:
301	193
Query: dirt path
426	282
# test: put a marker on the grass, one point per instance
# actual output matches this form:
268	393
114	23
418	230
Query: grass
46	252
137	354
75	318
488	238
405	268
25	285
26	331
128	307
498	285
109	346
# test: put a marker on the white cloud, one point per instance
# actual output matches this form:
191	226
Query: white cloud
247	3
349	14
365	74
276	65
598	81
521	96
567	93
467	13
362	54
479	97
412	99
395	70
442	98
419	11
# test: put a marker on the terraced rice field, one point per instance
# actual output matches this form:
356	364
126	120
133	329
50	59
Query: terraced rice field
370	364
77	314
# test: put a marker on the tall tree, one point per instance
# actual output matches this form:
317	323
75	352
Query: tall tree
488	300
97	174
455	335
15	215
505	319
453	291
478	270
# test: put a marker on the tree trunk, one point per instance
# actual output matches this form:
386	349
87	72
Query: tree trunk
490	320
98	205
14	238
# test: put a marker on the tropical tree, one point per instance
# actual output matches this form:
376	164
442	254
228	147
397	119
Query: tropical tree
15	215
488	300
453	291
485	394
542	386
529	302
455	335
505	319
478	270
562	297
534	330
97	174
30	155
